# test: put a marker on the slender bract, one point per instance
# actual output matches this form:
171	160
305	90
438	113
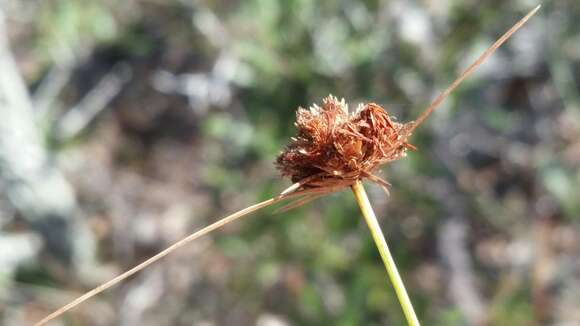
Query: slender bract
334	150
178	244
473	66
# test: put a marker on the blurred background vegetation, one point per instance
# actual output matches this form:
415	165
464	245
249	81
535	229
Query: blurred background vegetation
145	120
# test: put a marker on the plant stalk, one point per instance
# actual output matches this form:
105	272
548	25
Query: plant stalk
379	238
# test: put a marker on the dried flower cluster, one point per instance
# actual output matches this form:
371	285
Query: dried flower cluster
334	148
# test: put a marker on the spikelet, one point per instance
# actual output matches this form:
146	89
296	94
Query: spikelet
334	148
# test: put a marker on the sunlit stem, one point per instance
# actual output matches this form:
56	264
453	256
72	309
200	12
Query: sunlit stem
375	228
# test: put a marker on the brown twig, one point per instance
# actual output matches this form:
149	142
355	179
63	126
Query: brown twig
168	250
472	68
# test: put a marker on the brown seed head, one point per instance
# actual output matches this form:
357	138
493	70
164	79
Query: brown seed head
334	148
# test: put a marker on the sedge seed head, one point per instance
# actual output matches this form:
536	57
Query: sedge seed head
334	148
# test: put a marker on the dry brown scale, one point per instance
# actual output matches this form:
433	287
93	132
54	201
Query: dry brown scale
334	148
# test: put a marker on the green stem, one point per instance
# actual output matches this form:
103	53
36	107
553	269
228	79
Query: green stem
375	228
